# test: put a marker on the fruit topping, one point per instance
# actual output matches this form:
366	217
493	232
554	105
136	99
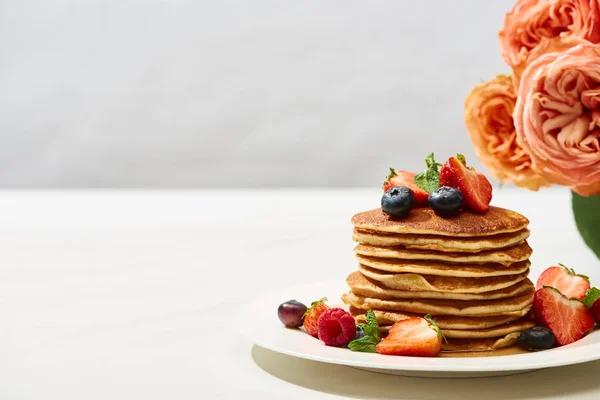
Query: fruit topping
537	338
565	280
397	201
414	336
591	301
446	201
405	178
568	318
475	187
336	327
370	336
291	313
311	316
429	180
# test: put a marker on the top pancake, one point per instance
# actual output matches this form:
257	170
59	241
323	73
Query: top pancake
423	220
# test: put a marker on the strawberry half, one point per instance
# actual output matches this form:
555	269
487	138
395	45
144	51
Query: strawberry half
565	280
405	178
568	319
474	186
418	337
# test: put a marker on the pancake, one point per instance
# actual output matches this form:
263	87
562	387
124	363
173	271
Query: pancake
423	220
443	321
497	331
443	269
505	256
440	243
363	284
518	304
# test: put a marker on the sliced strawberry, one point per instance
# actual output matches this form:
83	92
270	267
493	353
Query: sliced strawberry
474	186
568	319
565	280
415	336
405	178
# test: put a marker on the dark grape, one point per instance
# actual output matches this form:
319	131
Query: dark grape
291	313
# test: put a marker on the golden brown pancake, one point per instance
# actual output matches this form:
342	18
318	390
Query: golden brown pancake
519	304
443	269
497	331
365	286
505	256
424	220
440	243
443	321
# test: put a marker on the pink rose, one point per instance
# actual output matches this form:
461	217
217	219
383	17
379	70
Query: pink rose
530	21
557	117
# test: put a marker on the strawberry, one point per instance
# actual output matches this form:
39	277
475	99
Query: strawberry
311	316
565	280
568	319
591	301
416	336
475	187
405	178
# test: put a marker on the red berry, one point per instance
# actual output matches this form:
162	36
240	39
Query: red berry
474	186
311	317
405	178
336	327
595	310
565	281
568	319
414	336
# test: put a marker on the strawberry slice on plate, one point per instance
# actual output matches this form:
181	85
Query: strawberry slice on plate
565	280
418	337
406	178
568	319
474	186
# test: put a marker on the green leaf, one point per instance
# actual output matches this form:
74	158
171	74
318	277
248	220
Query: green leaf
365	344
372	327
586	211
462	159
591	296
429	180
371	319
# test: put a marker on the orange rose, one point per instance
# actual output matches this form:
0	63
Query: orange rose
557	117
488	117
530	21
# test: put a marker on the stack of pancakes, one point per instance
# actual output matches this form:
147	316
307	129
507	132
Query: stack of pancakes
469	271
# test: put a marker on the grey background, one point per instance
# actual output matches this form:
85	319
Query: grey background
194	93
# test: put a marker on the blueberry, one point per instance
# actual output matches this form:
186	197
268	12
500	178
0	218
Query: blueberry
359	333
397	201
446	200
537	338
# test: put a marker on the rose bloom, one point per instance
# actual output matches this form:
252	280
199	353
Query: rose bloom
557	117
488	118
530	21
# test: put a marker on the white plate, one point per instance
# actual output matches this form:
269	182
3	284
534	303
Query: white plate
259	323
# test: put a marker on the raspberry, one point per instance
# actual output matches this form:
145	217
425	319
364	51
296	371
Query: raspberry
336	327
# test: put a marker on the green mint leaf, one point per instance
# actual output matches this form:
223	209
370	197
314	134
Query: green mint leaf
364	344
429	180
586	210
591	296
373	326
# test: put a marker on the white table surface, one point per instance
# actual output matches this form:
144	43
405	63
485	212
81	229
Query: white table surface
130	295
